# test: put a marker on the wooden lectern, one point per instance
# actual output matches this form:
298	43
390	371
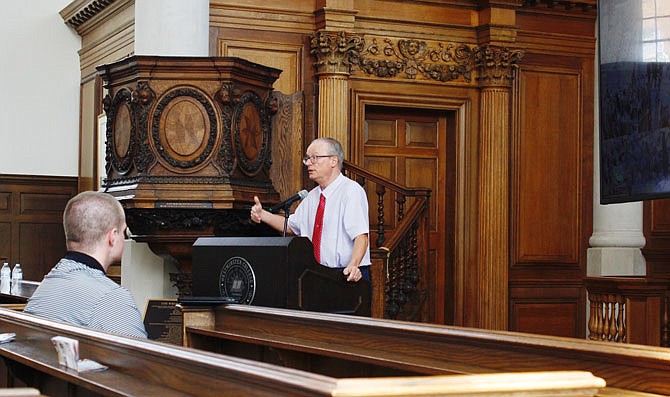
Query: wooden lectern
274	272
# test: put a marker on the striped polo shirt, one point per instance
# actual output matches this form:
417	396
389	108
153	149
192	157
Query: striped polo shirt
77	291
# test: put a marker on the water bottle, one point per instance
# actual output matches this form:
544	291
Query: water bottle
5	277
17	276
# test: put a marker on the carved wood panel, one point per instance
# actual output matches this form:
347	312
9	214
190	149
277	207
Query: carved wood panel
287	143
201	123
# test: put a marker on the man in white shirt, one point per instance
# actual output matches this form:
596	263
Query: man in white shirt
343	239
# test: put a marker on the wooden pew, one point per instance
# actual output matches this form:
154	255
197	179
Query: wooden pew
338	345
145	368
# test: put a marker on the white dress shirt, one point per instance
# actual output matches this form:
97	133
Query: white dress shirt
345	218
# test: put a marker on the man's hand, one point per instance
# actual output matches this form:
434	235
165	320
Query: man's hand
256	211
352	272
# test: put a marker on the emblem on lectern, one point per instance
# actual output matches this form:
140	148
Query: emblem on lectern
237	280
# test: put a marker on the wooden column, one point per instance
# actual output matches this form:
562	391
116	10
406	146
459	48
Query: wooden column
334	53
493	204
495	66
333	118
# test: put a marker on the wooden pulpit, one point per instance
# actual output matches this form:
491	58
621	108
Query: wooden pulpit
188	147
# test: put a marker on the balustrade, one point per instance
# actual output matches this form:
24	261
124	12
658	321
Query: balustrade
628	310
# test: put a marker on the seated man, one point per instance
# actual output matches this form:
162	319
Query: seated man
77	289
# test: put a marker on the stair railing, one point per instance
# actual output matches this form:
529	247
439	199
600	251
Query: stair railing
399	246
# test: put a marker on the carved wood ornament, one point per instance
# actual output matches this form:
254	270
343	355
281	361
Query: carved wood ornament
167	129
344	53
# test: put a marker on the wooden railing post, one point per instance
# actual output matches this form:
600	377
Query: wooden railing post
381	190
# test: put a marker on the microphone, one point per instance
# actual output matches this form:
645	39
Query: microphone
287	203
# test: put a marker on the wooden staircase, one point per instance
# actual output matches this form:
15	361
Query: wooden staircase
399	238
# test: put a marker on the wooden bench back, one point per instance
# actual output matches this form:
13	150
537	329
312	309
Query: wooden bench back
141	368
301	338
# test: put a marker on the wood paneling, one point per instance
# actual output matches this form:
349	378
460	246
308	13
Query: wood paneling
385	166
380	132
656	227
5	241
31	226
552	173
284	57
5	202
547	167
550	318
40	244
425	172
43	203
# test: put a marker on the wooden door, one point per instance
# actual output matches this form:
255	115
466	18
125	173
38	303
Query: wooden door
413	147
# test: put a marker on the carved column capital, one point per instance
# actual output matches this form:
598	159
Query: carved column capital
336	52
496	65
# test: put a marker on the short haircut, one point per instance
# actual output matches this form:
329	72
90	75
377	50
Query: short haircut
335	147
88	216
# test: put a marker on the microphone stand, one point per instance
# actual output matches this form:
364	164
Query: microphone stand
286	214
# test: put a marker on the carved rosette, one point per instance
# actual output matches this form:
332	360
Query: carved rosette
184	129
251	133
335	52
496	65
120	133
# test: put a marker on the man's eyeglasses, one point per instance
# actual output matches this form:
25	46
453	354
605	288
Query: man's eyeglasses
126	233
313	159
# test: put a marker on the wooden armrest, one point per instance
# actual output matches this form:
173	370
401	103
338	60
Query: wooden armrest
13	306
19	392
617	392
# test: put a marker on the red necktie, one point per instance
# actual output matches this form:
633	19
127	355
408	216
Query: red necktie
318	227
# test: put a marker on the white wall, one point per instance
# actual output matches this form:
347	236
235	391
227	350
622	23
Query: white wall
39	89
172	27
